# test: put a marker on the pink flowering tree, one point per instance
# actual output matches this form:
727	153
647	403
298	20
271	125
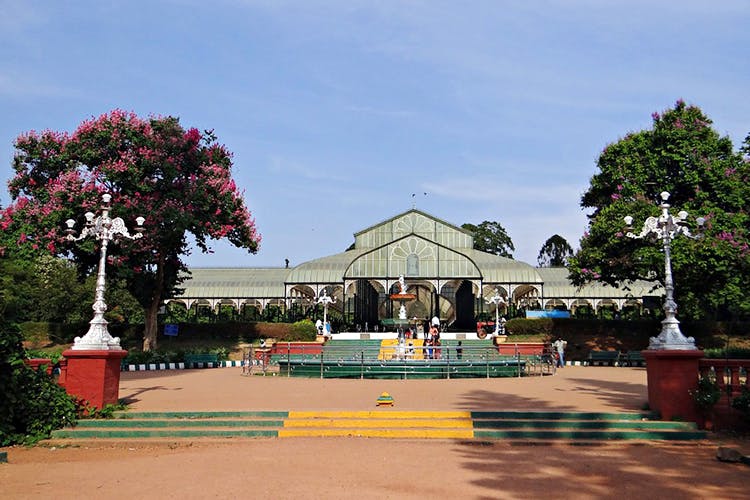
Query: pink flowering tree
179	180
684	155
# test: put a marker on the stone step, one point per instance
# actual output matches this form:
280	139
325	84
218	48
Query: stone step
158	423
198	414
162	433
608	435
481	425
561	415
583	424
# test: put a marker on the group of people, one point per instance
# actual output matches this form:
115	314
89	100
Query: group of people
432	346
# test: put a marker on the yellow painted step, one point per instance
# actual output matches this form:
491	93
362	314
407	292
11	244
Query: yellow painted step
389	414
389	349
380	423
380	433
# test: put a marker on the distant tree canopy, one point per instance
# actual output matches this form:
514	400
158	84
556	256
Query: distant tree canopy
179	180
491	237
683	155
555	252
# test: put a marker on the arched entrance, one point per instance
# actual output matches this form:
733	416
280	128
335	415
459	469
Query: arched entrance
363	306
465	307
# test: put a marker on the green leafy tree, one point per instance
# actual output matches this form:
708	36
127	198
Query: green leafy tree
15	288
555	252
50	289
179	180
683	155
491	237
56	292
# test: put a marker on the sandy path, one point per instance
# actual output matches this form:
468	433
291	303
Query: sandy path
573	388
375	468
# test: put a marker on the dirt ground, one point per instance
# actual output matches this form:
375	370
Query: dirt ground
376	468
573	388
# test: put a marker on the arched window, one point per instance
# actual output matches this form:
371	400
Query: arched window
412	265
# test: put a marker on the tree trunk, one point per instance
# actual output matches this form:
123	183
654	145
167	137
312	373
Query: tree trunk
151	328
151	331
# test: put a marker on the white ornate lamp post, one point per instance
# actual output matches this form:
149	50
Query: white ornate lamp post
497	299
325	300
666	227
102	228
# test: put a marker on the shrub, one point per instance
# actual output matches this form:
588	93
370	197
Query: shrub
53	356
519	326
731	353
32	403
303	330
157	356
707	394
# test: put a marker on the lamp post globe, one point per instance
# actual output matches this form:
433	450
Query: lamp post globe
498	300
325	299
666	228
104	229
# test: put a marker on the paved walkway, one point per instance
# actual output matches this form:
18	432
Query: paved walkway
573	388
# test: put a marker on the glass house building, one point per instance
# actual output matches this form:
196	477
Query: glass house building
446	276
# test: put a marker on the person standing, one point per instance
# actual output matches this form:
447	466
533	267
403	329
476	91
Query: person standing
559	346
433	332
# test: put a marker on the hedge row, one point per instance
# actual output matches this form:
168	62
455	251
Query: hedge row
587	333
562	327
132	335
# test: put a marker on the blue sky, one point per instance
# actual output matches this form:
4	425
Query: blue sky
337	111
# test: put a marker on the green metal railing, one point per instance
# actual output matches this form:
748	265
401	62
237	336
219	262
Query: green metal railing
370	360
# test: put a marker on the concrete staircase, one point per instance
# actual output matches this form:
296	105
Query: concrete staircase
463	425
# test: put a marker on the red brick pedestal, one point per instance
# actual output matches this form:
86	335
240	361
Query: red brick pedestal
672	375
94	375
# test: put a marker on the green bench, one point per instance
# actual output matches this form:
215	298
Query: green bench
608	358
634	358
201	360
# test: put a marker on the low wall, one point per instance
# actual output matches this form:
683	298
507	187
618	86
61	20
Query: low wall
522	348
731	376
311	348
35	363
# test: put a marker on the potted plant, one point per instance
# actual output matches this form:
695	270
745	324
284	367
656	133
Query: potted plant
705	398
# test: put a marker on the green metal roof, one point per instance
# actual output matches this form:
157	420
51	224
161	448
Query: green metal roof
557	284
235	282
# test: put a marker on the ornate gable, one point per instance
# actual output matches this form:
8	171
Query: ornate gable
415	223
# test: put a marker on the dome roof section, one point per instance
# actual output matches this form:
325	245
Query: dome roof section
497	269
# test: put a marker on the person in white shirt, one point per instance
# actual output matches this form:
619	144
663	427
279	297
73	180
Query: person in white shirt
559	346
